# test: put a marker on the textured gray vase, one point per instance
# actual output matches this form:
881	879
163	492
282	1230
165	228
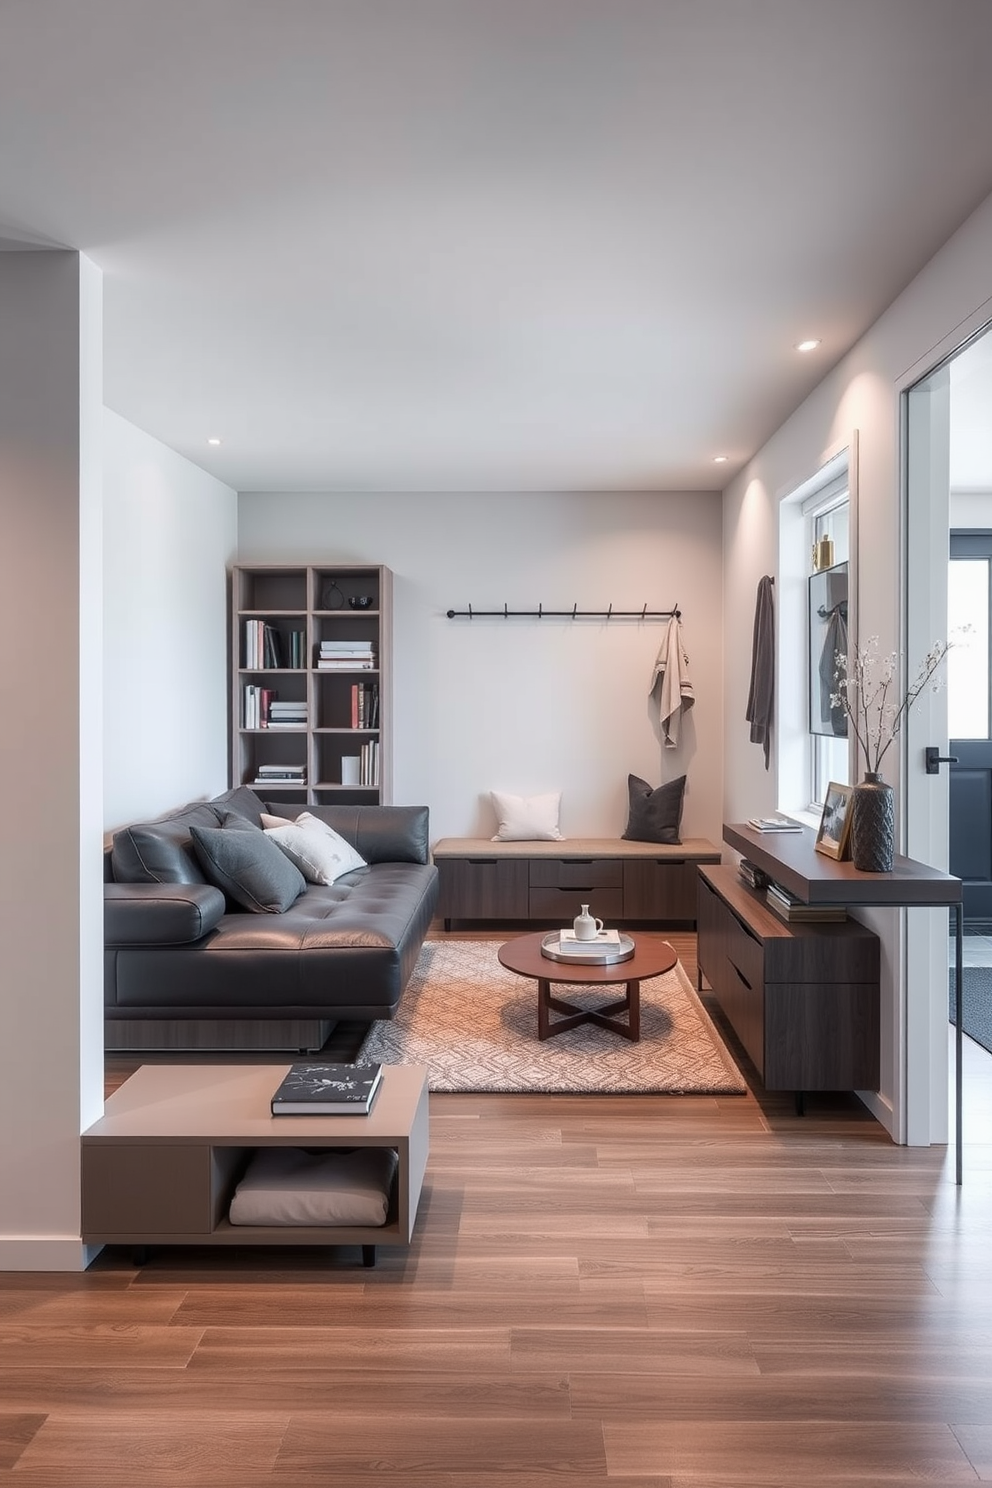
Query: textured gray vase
873	825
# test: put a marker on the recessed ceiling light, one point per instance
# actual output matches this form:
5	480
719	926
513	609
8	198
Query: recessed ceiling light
807	345
213	439
720	459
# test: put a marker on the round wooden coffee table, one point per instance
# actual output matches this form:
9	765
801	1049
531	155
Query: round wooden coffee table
651	957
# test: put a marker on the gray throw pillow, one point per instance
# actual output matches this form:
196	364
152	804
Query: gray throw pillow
654	815
248	867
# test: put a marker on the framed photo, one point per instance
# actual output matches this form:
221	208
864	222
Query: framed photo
835	823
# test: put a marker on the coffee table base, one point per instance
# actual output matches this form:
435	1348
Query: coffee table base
573	1016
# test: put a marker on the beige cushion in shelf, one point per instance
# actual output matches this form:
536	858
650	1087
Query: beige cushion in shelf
288	1186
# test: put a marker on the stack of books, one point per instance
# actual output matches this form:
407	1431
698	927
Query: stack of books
291	714
752	875
788	907
346	656
570	945
280	775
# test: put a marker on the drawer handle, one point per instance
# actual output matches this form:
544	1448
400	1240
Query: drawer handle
670	862
481	862
746	928
583	861
742	976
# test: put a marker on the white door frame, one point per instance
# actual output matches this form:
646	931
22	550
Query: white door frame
922	1032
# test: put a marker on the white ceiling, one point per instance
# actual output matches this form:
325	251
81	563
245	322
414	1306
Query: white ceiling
487	244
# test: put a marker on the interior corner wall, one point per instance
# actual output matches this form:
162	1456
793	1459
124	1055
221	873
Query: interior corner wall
527	705
170	536
51	1005
945	303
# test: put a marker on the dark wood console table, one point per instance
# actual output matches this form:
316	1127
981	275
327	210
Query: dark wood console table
790	859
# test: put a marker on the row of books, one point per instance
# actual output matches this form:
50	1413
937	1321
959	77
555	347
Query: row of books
267	647
262	709
368	767
364	705
345	656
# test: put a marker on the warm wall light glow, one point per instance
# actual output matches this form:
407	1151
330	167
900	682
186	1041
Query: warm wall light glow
213	440
720	459
807	345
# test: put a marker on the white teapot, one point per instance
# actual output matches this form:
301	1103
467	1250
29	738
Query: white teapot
585	925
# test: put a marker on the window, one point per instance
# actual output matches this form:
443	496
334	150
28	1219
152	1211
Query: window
827	521
821	511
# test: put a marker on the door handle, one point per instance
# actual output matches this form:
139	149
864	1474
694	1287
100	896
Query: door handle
934	759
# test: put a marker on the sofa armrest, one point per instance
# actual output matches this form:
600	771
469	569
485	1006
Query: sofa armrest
159	914
382	834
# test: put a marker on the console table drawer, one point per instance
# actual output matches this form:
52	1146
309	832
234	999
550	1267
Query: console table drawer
562	905
576	873
744	952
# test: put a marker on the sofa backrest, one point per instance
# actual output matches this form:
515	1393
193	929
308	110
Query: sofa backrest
162	851
382	834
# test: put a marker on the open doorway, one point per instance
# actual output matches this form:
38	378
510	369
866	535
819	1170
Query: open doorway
949	595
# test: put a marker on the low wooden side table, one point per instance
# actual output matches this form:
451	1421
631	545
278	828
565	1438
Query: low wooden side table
652	956
160	1166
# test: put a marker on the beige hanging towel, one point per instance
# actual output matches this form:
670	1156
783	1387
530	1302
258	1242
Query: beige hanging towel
670	683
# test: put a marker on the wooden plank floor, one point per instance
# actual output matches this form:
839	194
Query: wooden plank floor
680	1291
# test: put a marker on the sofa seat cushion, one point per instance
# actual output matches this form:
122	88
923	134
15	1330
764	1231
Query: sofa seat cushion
345	950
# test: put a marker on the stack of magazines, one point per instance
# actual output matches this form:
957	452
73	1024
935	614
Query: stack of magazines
752	875
790	908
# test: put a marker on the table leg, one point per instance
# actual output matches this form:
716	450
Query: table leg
573	1016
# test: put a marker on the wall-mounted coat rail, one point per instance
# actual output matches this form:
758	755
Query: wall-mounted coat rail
573	614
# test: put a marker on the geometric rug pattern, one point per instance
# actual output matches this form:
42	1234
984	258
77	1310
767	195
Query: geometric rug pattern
473	1024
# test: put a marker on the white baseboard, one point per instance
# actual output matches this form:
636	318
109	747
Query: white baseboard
881	1108
45	1253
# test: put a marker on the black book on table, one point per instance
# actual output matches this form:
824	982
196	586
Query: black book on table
327	1090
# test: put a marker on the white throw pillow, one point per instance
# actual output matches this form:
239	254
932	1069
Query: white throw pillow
286	1186
527	818
322	856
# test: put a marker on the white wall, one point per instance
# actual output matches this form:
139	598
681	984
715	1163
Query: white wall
947	301
51	901
529	705
170	533
971	508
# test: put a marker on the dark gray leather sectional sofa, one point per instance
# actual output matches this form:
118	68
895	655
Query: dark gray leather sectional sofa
177	951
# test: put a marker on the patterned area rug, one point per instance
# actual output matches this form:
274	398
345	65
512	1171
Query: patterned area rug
474	1025
976	1002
